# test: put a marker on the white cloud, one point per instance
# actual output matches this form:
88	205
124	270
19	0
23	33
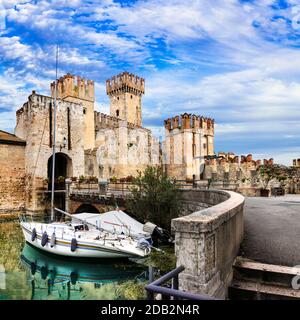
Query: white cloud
226	59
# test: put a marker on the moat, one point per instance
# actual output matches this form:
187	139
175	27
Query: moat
29	274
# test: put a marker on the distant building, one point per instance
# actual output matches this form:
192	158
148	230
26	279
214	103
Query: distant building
189	139
296	163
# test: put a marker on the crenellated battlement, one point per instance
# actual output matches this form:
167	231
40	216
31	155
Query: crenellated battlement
230	157
105	121
125	82
37	103
74	86
189	121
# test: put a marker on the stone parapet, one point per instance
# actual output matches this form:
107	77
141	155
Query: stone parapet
207	241
105	121
125	82
190	121
68	87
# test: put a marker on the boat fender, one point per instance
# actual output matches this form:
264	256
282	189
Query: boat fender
73	244
33	235
53	240
44	239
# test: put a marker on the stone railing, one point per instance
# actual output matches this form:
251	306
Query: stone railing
207	241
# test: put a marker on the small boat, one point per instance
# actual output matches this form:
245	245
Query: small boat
77	240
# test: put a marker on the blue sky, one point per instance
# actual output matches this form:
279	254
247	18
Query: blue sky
235	61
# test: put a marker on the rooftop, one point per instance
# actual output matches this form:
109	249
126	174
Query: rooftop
9	138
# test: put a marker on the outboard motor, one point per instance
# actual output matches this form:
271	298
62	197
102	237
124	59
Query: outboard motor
44	239
163	236
158	235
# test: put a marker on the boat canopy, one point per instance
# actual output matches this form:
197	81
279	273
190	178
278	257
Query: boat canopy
113	221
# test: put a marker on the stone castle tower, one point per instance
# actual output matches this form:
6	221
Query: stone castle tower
82	92
189	138
35	126
125	92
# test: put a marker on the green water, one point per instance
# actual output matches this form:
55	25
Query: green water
27	273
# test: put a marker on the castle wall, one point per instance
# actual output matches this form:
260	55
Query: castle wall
34	126
88	116
122	148
12	177
236	173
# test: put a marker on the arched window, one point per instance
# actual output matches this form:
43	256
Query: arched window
117	113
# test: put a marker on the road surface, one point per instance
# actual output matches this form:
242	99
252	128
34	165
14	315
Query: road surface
272	230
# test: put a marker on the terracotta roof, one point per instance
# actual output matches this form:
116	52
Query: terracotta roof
9	138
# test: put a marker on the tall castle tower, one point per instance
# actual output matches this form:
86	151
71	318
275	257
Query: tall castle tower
125	92
82	92
189	138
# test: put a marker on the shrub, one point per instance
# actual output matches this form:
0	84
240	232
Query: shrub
154	197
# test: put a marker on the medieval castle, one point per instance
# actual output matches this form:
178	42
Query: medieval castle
90	143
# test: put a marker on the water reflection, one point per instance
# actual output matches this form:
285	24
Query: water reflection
47	271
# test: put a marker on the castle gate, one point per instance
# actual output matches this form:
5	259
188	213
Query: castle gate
63	170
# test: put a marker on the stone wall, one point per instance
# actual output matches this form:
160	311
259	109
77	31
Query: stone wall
236	173
78	198
208	241
122	148
34	125
12	177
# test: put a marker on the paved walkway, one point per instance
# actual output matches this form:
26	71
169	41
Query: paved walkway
272	230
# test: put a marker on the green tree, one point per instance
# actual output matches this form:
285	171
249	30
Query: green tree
154	197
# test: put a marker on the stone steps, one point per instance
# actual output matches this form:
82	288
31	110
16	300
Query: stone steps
259	281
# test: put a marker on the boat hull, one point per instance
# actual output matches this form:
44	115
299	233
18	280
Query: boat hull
62	247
